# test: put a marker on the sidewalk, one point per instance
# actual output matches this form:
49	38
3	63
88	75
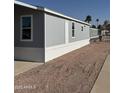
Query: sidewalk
102	84
22	66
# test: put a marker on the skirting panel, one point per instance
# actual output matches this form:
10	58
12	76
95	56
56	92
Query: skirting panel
59	50
29	54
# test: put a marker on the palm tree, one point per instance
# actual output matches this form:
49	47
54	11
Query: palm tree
97	20
88	19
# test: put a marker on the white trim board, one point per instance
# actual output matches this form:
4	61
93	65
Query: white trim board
66	31
56	51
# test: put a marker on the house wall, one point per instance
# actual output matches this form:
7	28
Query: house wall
38	27
29	54
54	30
50	34
57	31
29	50
79	35
93	33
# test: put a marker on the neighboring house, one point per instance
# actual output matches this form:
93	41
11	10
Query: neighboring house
93	33
41	34
105	32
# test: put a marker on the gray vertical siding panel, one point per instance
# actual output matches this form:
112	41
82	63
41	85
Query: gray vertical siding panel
38	27
29	50
55	30
79	35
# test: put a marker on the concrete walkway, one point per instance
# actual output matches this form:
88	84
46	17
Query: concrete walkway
22	66
102	84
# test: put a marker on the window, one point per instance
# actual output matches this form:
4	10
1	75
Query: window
26	28
73	30
82	28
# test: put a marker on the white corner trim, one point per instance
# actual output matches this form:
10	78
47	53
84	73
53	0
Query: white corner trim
66	31
24	4
59	50
45	28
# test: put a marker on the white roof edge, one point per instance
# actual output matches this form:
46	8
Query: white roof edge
49	11
94	28
59	14
24	4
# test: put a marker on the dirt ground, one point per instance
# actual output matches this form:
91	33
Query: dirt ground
75	72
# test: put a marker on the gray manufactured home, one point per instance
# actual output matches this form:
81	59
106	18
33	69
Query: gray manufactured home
41	34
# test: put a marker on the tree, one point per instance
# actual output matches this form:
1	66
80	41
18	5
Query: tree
106	25
106	22
99	26
93	26
88	19
97	20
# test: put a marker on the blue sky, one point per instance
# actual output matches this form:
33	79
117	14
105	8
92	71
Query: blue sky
77	8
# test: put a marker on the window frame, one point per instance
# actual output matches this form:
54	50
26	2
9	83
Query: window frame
73	30
21	28
82	28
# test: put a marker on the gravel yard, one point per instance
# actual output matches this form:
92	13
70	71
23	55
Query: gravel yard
74	72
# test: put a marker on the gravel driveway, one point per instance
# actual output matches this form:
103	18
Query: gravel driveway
74	72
